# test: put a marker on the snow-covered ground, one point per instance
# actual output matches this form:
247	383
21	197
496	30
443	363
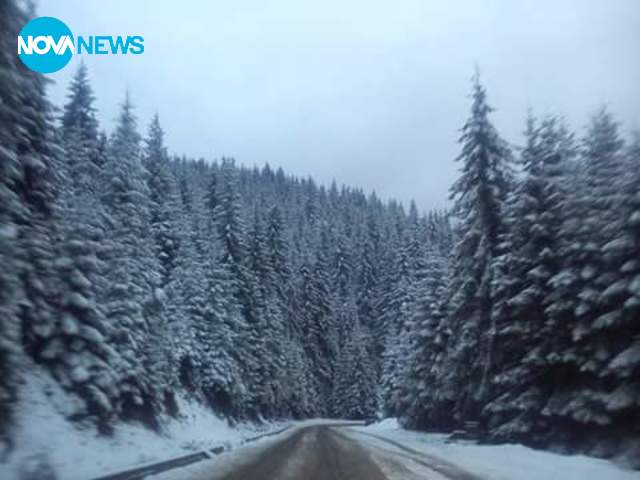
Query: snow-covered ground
42	430
495	462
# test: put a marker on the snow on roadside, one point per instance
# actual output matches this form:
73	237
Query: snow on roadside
77	453
501	462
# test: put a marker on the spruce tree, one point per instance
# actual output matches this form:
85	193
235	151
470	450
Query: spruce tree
78	116
530	257
479	195
426	403
355	388
395	305
82	344
234	276
133	302
616	332
319	337
31	169
13	213
162	198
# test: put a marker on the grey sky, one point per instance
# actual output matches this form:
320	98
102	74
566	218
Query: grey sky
371	93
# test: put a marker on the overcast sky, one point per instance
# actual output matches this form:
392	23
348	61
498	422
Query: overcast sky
371	93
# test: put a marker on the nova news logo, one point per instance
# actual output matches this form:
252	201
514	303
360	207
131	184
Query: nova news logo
46	45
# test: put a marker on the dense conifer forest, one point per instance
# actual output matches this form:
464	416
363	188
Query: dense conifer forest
132	275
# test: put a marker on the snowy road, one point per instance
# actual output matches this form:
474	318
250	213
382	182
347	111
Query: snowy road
313	453
328	453
325	450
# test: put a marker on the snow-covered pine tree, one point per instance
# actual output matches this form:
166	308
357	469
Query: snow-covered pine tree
395	310
276	248
206	323
342	293
235	277
162	197
266	331
572	360
280	295
425	403
297	382
133	302
221	337
13	214
529	257
369	274
604	329
616	331
82	144
355	394
79	112
410	284
479	195
319	335
231	232
34	164
186	290
80	354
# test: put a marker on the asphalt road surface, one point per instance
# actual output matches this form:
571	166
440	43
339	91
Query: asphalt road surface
324	453
313	453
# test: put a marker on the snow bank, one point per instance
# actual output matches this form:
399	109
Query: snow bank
78	453
501	462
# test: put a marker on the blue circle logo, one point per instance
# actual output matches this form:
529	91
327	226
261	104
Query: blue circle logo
45	44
